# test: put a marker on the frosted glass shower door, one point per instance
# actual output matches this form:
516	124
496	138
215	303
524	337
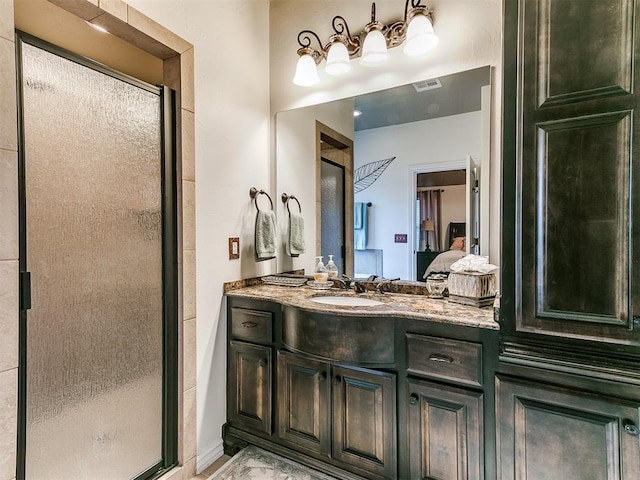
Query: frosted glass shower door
93	198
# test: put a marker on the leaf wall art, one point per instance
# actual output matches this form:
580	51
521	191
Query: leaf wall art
364	176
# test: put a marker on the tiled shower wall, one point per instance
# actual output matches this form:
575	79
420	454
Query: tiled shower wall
177	54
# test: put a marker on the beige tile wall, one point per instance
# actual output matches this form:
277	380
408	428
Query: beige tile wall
177	54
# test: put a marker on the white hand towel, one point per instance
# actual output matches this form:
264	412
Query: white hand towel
266	234
296	234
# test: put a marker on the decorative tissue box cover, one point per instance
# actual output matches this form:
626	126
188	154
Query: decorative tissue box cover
478	289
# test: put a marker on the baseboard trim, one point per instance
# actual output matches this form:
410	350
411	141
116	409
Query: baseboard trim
206	459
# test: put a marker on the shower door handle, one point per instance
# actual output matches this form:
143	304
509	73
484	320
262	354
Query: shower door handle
25	290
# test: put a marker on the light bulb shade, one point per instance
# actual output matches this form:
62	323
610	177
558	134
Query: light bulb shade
374	50
420	37
338	59
306	71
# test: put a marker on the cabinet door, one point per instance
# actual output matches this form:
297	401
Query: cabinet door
574	189
445	432
249	386
556	433
364	419
303	403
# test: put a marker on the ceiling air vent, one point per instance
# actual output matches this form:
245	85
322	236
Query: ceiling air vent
427	85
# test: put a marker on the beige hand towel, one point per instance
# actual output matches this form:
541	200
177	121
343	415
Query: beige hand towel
296	234
265	234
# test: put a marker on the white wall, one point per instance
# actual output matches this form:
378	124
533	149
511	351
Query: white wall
232	117
470	33
296	169
426	142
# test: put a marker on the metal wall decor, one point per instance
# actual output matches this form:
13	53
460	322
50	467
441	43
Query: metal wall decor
364	176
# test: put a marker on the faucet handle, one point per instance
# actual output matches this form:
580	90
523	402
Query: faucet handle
380	287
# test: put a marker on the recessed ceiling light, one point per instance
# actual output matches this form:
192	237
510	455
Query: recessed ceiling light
357	113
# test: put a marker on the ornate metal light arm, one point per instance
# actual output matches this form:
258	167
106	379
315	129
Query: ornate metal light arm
304	40
394	34
343	35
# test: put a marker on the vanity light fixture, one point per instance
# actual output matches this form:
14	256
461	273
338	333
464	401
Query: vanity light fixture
370	45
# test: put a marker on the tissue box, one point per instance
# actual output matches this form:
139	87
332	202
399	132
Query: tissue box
469	288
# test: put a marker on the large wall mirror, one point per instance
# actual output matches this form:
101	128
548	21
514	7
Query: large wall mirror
418	181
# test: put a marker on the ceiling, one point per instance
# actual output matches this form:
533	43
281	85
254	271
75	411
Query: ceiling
459	93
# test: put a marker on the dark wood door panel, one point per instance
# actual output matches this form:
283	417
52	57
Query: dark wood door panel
250	373
550	432
445	432
575	252
575	183
304	403
570	38
364	420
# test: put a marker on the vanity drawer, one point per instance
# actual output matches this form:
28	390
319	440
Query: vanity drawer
252	325
446	359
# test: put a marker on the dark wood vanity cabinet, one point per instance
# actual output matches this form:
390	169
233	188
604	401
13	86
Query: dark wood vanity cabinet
364	419
362	396
570	246
551	431
344	413
251	367
445	432
250	372
304	403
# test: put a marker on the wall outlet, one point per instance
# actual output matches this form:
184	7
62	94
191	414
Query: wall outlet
234	248
400	238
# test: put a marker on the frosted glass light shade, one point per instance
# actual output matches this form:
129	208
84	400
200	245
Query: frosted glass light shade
420	37
306	71
374	50
338	59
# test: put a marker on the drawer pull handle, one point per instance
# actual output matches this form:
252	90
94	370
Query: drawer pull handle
630	428
249	324
434	357
413	399
263	362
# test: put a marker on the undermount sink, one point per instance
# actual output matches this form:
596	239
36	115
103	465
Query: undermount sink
347	301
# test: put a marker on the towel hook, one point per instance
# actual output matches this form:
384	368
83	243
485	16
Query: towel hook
254	192
285	200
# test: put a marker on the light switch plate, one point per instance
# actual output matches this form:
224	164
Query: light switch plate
400	238
234	248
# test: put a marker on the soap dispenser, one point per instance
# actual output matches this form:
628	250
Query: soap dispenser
320	275
332	269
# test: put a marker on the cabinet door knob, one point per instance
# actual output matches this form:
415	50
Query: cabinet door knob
249	324
436	357
322	375
337	379
630	428
263	362
413	399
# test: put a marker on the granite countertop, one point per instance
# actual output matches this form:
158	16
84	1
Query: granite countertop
418	307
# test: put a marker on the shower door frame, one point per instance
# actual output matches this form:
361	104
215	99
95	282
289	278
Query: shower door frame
169	199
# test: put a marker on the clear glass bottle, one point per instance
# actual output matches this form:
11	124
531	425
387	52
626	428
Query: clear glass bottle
332	269
320	274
